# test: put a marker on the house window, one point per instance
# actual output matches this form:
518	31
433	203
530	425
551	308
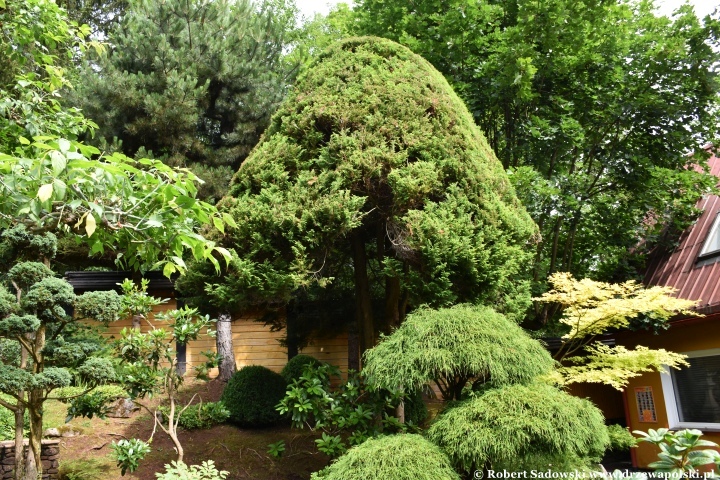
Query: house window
712	242
692	394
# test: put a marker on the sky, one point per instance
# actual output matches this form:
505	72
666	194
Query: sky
702	7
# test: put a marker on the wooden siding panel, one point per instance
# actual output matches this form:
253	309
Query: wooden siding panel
254	344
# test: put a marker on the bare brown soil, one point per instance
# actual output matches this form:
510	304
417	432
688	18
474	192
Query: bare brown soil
242	452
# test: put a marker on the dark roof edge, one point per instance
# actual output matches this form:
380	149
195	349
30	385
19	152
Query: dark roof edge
86	281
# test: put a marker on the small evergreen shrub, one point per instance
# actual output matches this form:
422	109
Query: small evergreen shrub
251	396
415	409
621	440
296	366
521	427
395	457
201	415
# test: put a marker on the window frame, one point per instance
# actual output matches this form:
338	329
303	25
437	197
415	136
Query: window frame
714	229
671	406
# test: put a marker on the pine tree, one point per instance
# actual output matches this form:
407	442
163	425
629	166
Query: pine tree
194	82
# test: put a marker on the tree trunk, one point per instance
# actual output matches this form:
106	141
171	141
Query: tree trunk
19	447
34	460
363	303
181	358
392	302
137	321
172	429
353	349
291	336
225	350
20	465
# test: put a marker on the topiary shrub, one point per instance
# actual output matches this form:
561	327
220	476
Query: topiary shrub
251	396
296	366
521	427
453	347
396	457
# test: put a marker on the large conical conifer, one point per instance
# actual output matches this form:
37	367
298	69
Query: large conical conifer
373	173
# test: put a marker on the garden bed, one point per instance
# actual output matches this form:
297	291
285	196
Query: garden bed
242	452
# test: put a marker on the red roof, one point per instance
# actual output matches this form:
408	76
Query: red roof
680	269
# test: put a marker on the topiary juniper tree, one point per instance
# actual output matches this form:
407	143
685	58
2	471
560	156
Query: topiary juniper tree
373	170
36	310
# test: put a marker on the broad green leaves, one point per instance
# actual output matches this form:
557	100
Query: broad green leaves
144	209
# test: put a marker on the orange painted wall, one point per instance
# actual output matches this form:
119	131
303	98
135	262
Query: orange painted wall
684	336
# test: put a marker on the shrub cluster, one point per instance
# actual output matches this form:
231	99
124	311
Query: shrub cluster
201	415
251	396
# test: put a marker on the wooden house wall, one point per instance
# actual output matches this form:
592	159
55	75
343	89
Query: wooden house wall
254	343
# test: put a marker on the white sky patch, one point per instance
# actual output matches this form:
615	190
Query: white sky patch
702	7
308	8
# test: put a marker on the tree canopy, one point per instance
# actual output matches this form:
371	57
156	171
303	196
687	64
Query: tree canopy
373	171
591	106
193	82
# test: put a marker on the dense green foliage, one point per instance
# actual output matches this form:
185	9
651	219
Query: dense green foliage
201	415
396	457
621	440
295	367
591	105
373	173
129	453
347	412
512	426
251	396
454	346
416	412
193	82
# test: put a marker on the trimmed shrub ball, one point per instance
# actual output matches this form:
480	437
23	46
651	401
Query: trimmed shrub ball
251	396
396	457
295	367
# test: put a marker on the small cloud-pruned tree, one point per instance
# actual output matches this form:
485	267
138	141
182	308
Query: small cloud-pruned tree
521	427
38	310
395	457
592	308
454	346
